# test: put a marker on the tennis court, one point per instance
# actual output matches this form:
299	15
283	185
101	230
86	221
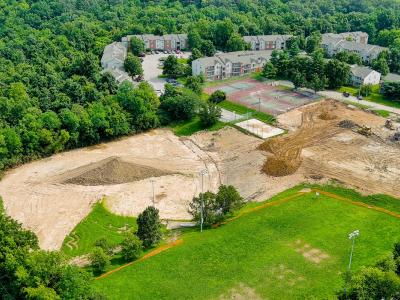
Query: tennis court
261	96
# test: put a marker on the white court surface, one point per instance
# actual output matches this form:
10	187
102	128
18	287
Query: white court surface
259	128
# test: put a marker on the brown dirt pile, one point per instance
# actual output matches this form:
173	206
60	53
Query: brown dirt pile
284	156
109	171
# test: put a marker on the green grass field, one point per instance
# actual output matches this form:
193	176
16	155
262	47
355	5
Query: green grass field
379	112
267	253
100	223
375	96
192	126
242	110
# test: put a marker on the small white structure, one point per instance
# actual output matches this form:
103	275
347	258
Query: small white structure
361	75
259	128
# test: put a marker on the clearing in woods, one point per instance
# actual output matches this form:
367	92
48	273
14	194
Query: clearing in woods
288	250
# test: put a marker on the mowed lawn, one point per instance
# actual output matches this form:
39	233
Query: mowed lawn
295	250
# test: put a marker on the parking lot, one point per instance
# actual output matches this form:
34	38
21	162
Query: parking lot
152	71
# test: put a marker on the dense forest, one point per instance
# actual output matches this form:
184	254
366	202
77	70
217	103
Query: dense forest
52	93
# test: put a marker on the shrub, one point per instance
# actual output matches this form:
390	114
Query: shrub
99	260
217	97
103	244
228	199
180	105
209	114
211	215
149	227
131	247
216	207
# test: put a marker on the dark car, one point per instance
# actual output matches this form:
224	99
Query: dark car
346	94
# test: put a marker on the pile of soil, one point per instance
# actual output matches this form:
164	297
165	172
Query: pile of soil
278	167
327	116
110	171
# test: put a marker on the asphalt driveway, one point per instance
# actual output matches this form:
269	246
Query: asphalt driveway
152	71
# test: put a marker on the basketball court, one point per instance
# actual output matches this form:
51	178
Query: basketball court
264	97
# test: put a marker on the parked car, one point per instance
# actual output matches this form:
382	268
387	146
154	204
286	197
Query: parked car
142	54
359	97
346	94
177	84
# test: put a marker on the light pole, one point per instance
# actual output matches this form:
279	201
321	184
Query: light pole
352	237
202	173
152	187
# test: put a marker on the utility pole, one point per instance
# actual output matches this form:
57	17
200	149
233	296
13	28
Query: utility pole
152	187
202	173
352	237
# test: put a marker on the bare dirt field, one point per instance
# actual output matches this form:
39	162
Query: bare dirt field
321	144
51	196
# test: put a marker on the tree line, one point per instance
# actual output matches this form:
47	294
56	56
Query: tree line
53	95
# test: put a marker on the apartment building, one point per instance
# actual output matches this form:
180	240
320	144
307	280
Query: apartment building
230	64
361	75
114	56
333	44
267	42
160	42
356	36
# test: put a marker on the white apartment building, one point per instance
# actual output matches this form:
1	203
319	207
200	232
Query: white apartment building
361	75
226	65
333	44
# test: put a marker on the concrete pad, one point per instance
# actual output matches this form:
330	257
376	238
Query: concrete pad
259	128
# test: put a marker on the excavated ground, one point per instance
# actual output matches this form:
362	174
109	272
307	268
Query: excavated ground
51	196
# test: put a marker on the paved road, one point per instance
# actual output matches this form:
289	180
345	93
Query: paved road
340	97
152	71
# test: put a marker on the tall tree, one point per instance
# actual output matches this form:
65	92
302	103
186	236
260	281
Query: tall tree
133	65
149	227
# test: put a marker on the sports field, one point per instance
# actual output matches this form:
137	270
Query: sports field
293	247
261	96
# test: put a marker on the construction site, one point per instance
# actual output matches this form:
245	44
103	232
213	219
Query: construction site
325	141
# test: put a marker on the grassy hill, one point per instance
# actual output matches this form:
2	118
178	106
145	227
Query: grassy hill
296	249
100	223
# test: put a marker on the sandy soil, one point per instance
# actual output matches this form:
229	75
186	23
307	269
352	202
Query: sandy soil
370	164
38	194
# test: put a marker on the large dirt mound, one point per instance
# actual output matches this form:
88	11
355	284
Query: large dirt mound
284	152
109	171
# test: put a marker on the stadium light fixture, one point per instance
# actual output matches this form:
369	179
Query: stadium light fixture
352	237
